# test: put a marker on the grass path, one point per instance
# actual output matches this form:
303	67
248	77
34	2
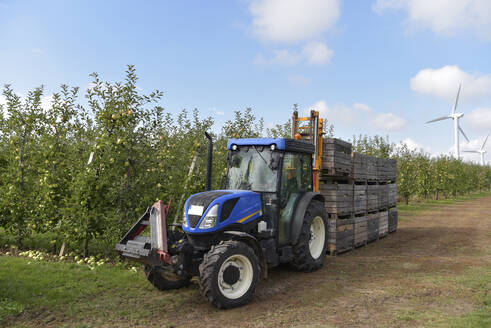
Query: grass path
435	271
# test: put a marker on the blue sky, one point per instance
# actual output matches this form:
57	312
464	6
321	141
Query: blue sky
371	67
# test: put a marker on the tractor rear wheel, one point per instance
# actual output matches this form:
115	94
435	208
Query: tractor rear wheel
310	250
165	279
229	274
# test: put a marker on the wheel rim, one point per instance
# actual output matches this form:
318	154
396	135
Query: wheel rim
317	237
243	265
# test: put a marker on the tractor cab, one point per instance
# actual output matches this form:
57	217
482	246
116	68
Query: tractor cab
280	170
265	180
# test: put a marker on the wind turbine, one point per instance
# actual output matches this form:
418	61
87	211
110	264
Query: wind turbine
480	151
455	116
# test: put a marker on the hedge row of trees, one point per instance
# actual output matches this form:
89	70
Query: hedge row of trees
421	176
141	153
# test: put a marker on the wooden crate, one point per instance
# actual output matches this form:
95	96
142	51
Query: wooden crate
338	197
360	233
341	234
383	196
392	219
383	224
372	197
371	168
336	157
359	171
386	170
392	199
372	226
360	199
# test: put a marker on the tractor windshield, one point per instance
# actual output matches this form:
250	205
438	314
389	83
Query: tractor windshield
252	168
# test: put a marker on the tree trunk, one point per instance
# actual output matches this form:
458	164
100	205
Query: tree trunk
86	245
437	194
406	198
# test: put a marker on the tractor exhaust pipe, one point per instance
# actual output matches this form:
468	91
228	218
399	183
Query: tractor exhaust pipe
209	162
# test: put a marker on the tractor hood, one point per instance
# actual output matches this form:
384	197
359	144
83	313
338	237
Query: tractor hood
211	211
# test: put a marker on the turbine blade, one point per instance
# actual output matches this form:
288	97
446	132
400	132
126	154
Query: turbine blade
484	144
462	131
470	151
439	119
456	99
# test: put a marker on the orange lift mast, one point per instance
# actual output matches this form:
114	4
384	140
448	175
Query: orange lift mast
310	129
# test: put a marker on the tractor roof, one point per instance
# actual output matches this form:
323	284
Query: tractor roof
281	144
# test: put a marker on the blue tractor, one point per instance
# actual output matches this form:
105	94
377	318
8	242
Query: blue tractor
267	214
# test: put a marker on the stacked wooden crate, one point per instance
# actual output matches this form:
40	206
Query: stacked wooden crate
359	193
383	196
341	235
359	198
392	219
392	199
371	168
338	198
372	226
383	223
361	234
359	171
372	197
336	157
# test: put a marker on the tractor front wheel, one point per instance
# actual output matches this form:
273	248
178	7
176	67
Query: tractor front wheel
229	274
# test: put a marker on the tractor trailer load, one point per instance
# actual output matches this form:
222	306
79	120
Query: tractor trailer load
285	201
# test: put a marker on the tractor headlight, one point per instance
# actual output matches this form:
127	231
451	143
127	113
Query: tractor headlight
210	219
184	221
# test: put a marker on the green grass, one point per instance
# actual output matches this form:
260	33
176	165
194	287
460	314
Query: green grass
48	291
417	206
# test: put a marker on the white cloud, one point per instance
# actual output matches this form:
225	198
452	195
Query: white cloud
217	112
46	102
317	53
389	122
413	145
292	20
445	17
3	103
358	114
480	117
314	53
443	83
282	57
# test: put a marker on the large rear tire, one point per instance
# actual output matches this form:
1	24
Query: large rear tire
310	250
164	279
229	274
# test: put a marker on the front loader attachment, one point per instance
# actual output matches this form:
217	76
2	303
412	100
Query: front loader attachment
151	250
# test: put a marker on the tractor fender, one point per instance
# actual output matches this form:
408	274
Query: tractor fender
252	242
299	214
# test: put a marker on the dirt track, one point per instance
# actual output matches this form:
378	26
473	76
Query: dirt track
406	279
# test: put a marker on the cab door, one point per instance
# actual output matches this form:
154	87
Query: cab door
296	179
